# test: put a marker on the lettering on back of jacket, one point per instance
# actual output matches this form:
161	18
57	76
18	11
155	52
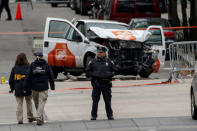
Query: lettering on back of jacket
19	76
39	70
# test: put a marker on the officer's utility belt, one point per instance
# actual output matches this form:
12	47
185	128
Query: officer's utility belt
102	80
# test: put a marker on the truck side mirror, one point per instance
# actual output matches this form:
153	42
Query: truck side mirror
86	41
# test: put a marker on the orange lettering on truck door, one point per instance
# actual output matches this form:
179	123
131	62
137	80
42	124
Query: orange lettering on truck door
61	56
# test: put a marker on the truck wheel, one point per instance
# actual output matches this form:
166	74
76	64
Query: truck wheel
146	74
72	4
77	11
75	73
54	5
68	4
193	107
82	8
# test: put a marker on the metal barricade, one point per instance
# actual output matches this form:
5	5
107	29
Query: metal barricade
183	58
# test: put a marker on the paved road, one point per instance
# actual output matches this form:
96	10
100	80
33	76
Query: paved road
153	107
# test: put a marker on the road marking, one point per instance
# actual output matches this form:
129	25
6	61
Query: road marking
88	88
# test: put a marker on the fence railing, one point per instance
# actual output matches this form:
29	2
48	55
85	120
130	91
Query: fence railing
183	58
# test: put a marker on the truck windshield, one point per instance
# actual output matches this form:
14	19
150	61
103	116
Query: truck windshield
155	38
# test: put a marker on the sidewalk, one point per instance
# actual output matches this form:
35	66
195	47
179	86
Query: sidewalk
133	124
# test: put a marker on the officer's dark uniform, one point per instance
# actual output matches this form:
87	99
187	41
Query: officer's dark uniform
101	71
5	4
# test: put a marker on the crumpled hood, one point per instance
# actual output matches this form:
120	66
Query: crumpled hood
134	35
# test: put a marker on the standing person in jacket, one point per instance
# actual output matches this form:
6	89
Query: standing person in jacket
38	74
16	82
5	4
101	70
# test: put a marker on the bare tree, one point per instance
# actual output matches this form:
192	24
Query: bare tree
193	18
173	16
184	17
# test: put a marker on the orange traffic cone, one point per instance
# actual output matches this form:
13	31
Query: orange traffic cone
18	12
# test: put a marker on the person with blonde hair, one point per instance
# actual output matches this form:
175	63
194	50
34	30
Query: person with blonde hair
16	82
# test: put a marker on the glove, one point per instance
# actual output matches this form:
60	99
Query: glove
52	92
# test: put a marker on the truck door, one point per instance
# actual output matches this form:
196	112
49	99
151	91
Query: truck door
157	42
57	50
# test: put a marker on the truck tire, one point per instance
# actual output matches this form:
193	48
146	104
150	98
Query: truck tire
72	4
146	74
77	11
68	4
82	8
54	5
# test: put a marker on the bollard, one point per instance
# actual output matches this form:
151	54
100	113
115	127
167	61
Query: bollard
2	80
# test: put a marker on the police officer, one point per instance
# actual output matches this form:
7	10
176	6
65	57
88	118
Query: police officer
38	74
5	4
101	70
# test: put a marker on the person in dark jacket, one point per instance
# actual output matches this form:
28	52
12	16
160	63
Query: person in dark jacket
5	4
101	70
38	74
16	82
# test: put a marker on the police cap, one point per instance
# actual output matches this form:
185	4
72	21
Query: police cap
101	49
38	54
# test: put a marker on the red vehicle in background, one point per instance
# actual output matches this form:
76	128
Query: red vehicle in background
125	10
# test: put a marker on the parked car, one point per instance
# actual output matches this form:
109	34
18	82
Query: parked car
193	96
68	47
142	23
125	10
54	3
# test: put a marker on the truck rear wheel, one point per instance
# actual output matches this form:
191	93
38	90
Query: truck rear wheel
77	11
54	5
146	74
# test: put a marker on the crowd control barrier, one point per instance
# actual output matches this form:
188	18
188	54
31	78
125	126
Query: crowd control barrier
183	58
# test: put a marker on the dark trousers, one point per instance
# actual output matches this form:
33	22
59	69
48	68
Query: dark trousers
6	6
106	92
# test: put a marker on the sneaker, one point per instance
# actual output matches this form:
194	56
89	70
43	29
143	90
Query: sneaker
20	122
110	118
31	120
39	123
93	118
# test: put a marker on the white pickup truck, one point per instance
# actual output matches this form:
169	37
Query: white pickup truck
69	47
